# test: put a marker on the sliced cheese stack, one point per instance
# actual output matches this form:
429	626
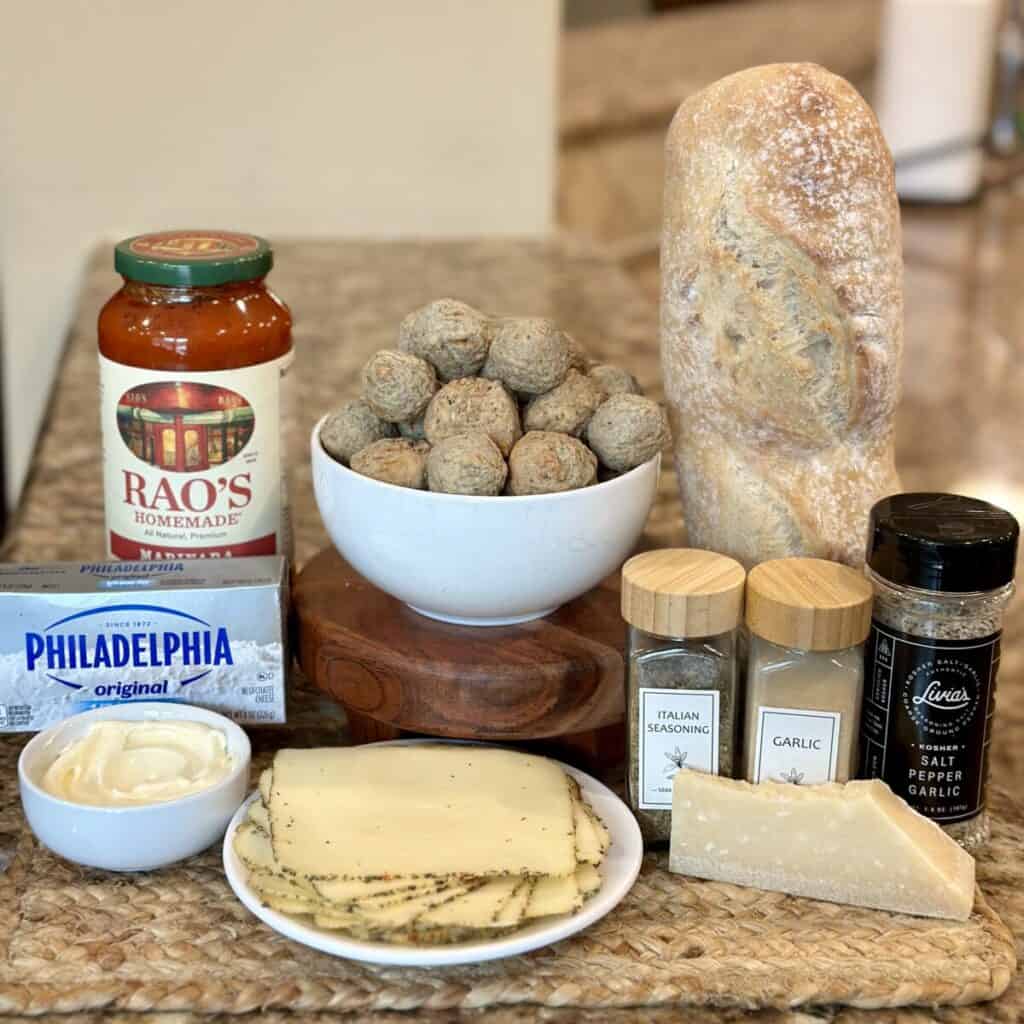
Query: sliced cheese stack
420	843
856	843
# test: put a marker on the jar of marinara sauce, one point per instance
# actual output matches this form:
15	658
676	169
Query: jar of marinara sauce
194	351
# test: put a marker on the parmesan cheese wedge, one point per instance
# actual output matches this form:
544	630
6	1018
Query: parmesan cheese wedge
856	843
432	810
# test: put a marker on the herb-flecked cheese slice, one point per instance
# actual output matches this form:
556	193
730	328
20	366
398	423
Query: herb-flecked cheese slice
515	909
476	909
263	881
588	878
554	896
600	829
588	843
253	848
591	836
259	816
426	810
252	845
396	915
348	891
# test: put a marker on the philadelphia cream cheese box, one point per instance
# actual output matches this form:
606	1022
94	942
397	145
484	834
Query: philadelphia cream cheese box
76	636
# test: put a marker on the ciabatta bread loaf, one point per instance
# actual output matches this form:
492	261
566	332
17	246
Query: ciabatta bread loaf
781	314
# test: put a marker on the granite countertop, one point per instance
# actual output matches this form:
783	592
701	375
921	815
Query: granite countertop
347	300
622	76
349	297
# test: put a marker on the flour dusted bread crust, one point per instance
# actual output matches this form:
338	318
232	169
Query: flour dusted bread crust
781	314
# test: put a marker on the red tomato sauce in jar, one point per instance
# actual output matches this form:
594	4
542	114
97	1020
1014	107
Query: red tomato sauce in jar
194	352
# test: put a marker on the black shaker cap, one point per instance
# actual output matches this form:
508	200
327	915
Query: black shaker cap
942	542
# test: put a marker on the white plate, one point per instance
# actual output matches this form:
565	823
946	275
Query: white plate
618	873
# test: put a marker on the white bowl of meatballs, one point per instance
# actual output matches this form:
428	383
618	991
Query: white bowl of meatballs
490	472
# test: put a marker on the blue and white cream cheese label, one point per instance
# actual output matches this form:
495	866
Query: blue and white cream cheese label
677	729
796	745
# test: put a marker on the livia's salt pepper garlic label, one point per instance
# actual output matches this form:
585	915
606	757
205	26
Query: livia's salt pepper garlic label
796	745
927	719
676	729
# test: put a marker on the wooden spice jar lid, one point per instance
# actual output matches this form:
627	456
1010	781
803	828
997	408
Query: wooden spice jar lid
809	604
682	592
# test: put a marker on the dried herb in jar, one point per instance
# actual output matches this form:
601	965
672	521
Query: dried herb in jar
683	608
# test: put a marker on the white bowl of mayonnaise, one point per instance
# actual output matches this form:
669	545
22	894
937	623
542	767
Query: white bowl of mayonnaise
133	787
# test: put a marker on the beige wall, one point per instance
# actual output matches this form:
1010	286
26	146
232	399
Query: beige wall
311	117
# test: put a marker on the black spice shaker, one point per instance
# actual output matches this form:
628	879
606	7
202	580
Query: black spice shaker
942	566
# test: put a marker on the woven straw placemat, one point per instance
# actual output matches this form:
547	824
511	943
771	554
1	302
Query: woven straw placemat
74	940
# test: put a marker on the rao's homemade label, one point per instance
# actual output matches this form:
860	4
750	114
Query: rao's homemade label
796	745
676	729
192	462
927	719
79	636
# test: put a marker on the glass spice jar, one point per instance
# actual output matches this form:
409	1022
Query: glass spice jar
808	619
683	607
942	567
194	355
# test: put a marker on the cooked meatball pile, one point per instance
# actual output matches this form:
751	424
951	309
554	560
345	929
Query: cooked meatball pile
475	404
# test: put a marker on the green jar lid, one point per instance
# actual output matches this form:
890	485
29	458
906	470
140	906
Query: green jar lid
186	258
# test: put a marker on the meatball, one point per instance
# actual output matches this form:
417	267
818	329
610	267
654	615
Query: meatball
473	405
613	380
466	464
528	355
565	409
414	429
452	336
627	430
351	428
544	462
398	385
394	461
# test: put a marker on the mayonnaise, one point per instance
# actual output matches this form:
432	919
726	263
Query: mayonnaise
122	763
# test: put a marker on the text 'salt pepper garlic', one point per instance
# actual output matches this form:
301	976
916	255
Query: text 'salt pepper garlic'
942	566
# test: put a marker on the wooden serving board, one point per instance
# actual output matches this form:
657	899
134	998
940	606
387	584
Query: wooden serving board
397	672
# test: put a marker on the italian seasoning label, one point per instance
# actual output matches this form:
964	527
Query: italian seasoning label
927	719
192	461
796	745
676	729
